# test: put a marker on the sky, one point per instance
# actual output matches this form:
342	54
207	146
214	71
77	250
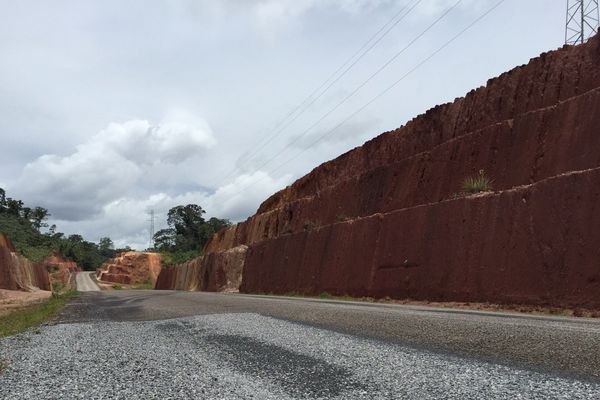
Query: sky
110	109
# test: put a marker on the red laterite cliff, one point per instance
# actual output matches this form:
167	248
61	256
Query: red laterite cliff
17	272
130	267
386	218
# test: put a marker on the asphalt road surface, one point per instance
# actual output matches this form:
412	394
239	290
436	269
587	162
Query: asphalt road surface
85	283
163	344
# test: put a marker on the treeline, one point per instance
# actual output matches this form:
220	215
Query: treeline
187	233
23	226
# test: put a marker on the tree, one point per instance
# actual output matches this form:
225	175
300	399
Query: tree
211	227
26	213
39	216
14	206
2	199
187	221
106	247
164	240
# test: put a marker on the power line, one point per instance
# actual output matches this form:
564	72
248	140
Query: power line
394	84
363	84
328	83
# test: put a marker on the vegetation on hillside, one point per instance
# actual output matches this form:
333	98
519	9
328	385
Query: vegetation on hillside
187	234
23	226
22	319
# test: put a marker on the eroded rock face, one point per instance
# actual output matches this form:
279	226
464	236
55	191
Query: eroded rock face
17	272
130	268
186	276
384	218
60	268
216	272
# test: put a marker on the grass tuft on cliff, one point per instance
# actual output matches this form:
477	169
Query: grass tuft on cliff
23	319
477	184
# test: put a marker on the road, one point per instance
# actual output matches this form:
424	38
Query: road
85	283
164	344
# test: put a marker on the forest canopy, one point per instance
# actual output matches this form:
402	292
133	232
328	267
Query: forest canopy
23	225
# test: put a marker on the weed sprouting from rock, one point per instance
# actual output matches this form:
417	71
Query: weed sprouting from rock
477	184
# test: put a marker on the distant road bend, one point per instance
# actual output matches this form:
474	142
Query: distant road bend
85	283
181	345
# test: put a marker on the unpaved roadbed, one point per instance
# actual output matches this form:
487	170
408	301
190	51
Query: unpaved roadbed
241	356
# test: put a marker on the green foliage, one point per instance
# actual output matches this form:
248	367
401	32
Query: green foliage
117	287
106	247
171	258
476	184
20	320
188	231
145	285
57	287
22	225
28	241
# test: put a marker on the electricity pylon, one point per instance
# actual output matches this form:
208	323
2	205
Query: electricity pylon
582	20
151	229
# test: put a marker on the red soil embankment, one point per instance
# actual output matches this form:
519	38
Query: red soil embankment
17	272
377	221
131	267
216	272
60	268
535	244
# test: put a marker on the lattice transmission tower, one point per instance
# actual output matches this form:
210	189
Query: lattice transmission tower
151	229
583	19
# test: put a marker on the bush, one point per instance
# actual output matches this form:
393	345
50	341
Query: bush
172	258
308	225
477	184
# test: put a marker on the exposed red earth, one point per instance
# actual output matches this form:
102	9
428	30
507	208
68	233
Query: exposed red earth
216	272
22	282
60	268
17	272
385	219
130	268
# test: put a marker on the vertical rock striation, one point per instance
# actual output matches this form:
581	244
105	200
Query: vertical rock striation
216	272
385	219
17	272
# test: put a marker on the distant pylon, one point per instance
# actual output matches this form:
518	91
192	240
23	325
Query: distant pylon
583	19
151	229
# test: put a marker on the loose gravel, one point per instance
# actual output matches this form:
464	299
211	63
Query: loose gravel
249	356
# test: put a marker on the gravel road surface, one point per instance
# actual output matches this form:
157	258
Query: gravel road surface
85	283
169	345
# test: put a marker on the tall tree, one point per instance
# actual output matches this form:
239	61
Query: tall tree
164	240
2	199
39	216
14	206
106	247
187	221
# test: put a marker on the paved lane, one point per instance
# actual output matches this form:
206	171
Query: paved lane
85	283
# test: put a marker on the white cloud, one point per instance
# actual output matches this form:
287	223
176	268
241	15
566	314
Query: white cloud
126	219
110	164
